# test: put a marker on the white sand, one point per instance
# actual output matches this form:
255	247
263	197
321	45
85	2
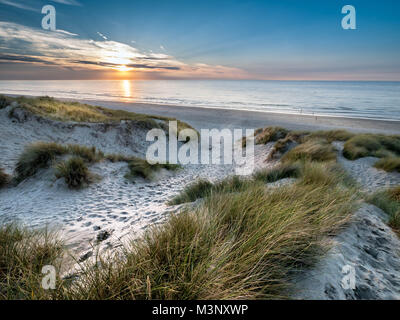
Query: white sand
115	205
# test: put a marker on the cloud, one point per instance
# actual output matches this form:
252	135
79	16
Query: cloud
102	35
67	32
68	2
64	49
19	5
20	58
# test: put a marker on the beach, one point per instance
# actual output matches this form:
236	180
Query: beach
208	118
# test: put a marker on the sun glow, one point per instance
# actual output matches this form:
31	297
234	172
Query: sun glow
126	84
123	68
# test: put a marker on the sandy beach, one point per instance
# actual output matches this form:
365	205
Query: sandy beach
224	118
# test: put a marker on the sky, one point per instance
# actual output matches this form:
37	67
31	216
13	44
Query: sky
189	39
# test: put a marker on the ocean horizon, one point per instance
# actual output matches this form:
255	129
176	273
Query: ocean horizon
352	99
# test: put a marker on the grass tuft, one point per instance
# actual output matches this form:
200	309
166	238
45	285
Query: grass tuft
23	253
74	171
388	201
389	164
374	145
331	135
311	150
193	191
282	171
36	156
141	168
90	154
269	134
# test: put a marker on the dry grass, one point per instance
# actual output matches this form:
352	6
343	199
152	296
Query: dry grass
389	164
243	242
375	145
141	168
282	171
311	150
74	171
36	156
269	134
23	253
204	188
388	201
237	245
193	191
331	135
90	154
51	108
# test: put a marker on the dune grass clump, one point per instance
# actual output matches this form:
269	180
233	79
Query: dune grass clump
389	201
74	171
374	145
193	191
23	253
90	154
204	188
239	245
282	171
331	135
4	178
311	150
114	157
270	134
389	164
141	168
36	156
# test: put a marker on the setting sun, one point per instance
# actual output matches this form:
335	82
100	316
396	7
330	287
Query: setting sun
123	68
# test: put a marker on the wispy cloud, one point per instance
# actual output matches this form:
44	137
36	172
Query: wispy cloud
66	50
19	5
68	2
102	35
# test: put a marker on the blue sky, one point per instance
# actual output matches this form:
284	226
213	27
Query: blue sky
149	39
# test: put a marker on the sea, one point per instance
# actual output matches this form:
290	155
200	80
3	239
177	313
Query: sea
352	99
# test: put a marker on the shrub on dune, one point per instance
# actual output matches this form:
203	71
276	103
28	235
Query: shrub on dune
37	156
389	164
74	171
